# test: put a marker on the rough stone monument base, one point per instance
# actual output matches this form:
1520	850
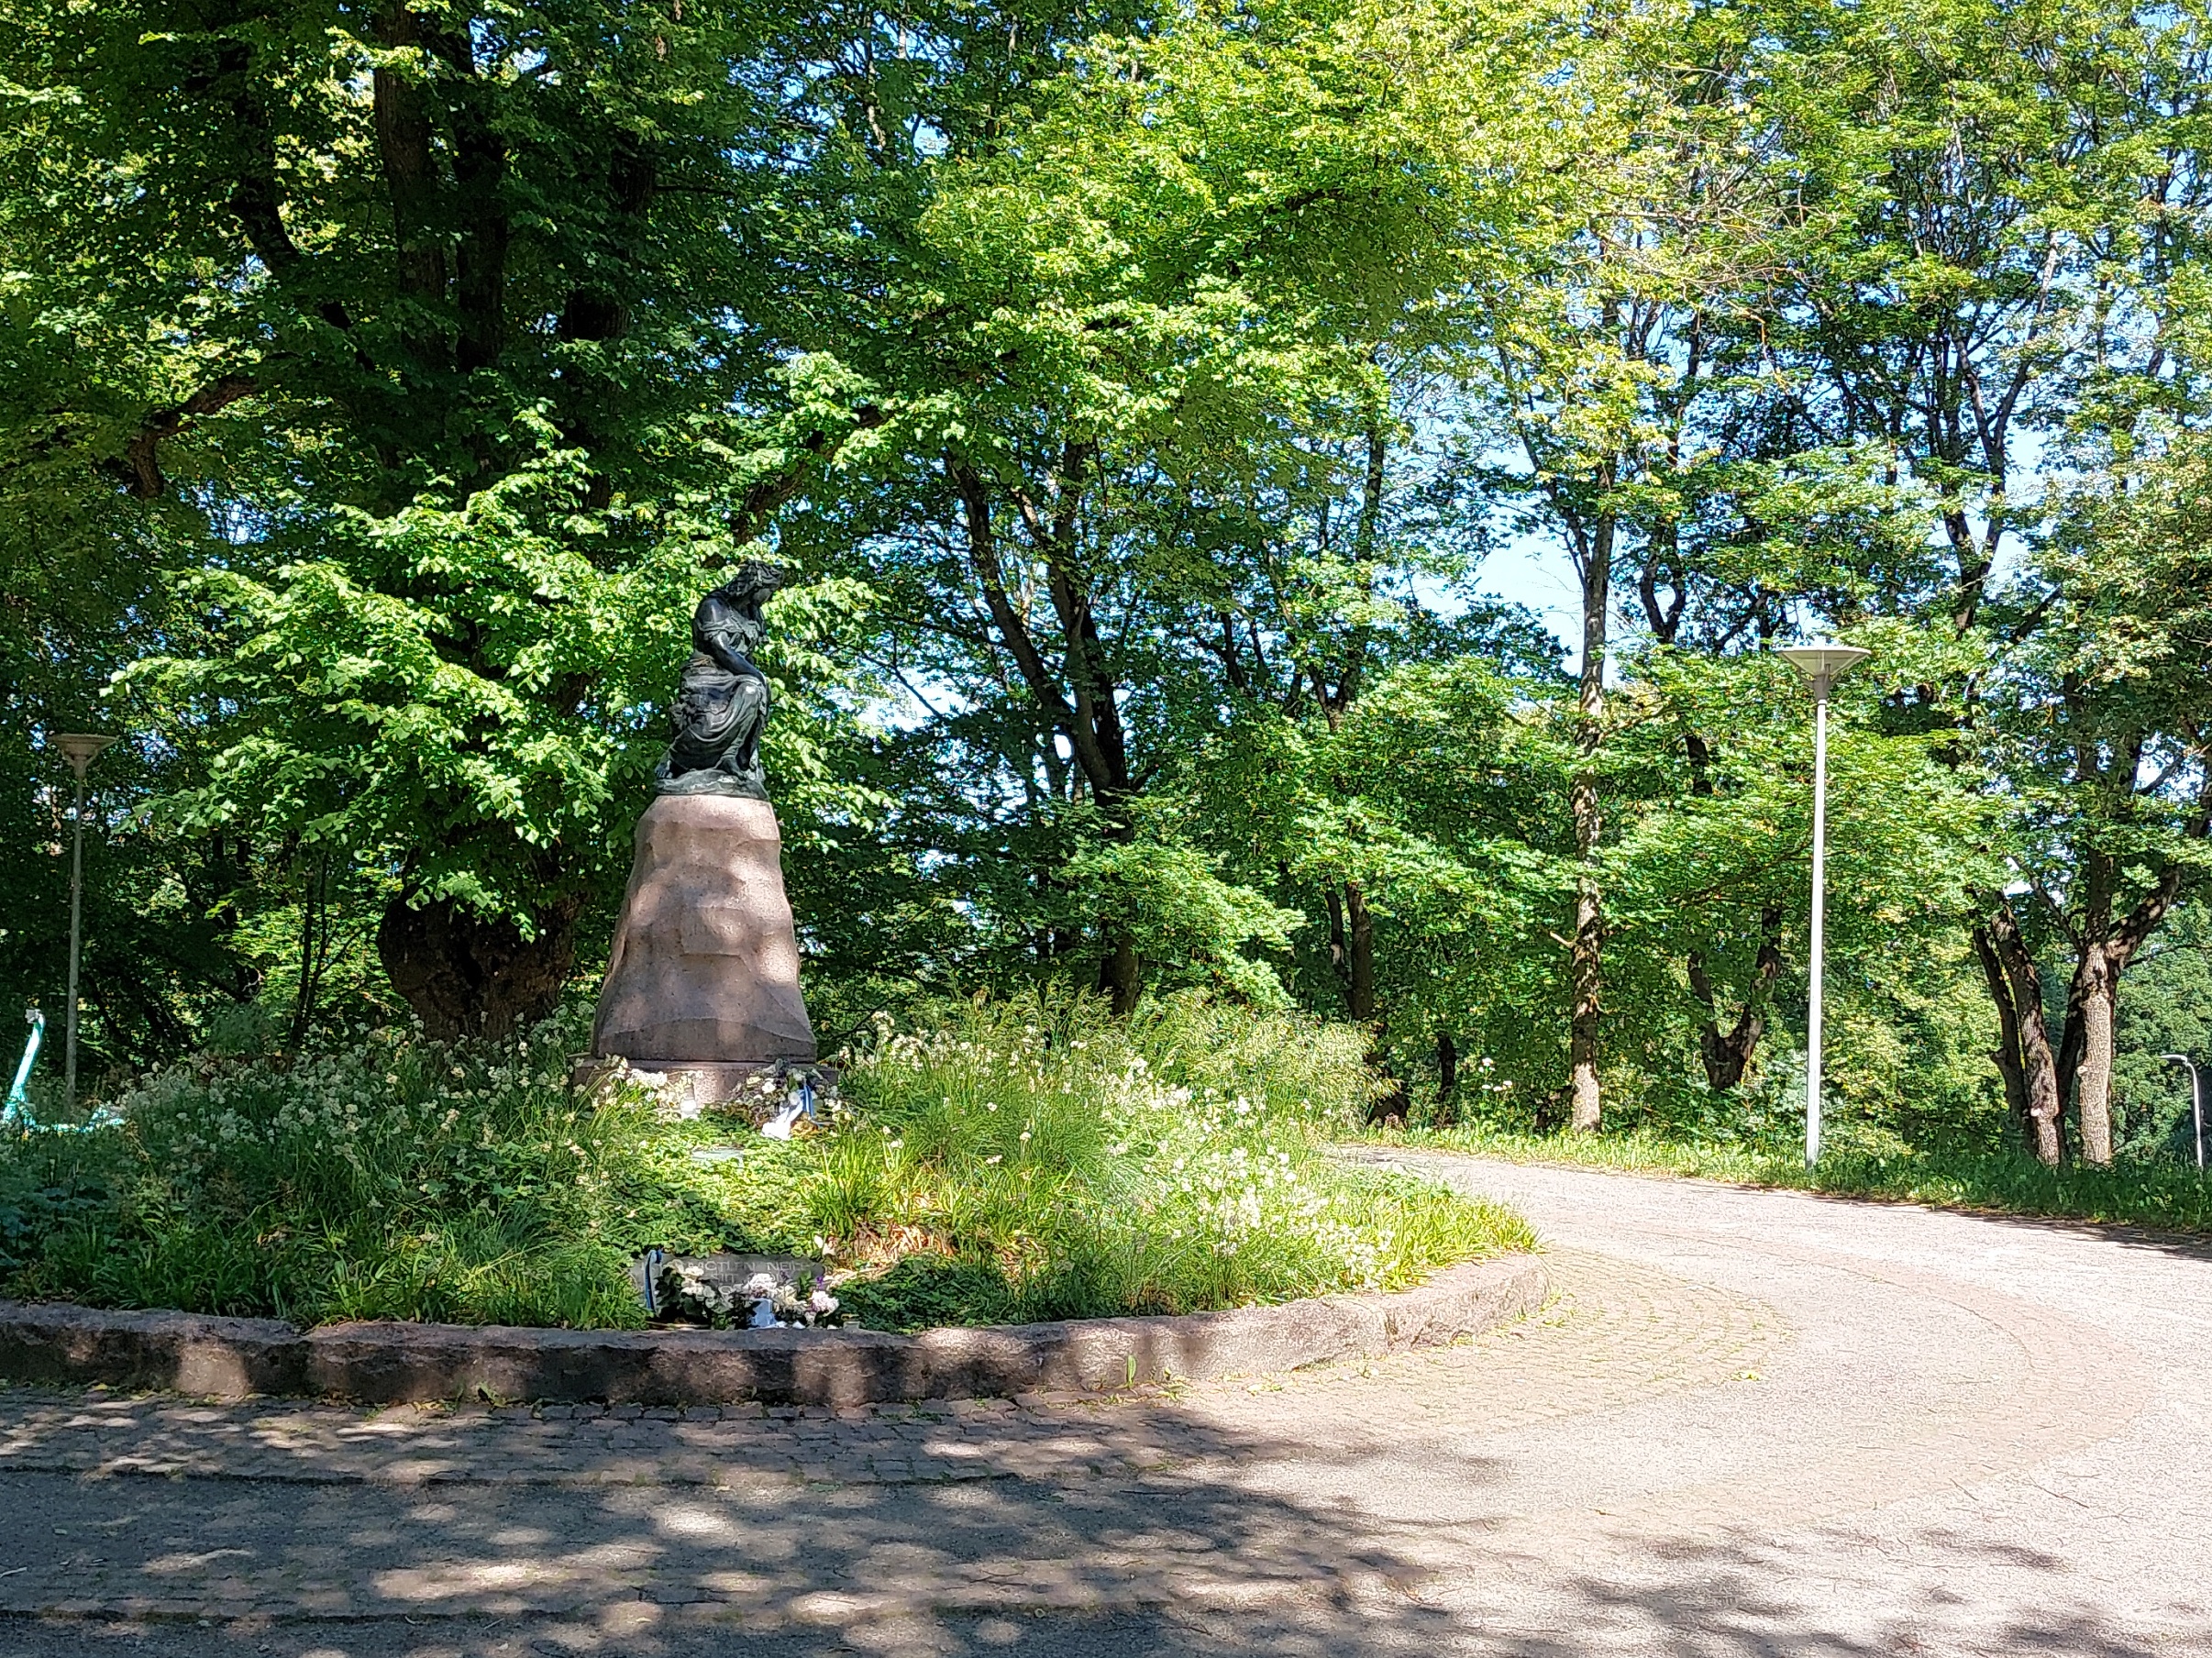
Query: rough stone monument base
703	987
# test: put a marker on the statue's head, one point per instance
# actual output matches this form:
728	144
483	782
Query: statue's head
754	581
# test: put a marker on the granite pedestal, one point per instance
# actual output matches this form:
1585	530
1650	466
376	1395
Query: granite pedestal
703	987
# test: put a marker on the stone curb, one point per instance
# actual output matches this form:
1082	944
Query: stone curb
386	1363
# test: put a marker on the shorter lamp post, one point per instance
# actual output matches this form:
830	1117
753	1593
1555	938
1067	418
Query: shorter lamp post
2197	1103
1823	664
82	749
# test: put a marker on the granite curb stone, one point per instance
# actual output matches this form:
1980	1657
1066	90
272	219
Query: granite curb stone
392	1361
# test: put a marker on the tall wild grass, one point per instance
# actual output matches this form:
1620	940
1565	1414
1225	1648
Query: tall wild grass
986	1163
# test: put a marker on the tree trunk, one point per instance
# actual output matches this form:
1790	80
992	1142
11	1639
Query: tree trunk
2104	948
1588	985
2006	1054
1121	974
1079	698
1447	1078
1351	923
2072	1035
1352	947
1587	967
2041	1068
314	946
1359	961
1394	1103
465	976
2096	986
1728	1054
2016	984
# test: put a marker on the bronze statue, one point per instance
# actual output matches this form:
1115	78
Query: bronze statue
722	702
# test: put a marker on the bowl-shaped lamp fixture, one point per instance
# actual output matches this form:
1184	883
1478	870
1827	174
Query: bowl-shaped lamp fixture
1824	662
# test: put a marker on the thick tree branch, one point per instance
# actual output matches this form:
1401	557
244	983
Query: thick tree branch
403	140
480	176
983	562
766	494
254	196
141	455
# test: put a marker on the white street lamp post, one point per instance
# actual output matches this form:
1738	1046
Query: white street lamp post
2197	1103
82	749
1823	664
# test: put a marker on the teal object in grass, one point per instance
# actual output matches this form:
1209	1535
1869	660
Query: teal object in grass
17	1108
17	1113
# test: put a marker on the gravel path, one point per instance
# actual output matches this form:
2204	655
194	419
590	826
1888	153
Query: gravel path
1751	1423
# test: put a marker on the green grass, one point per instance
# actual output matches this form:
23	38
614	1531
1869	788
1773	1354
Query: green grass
388	1177
1045	1162
994	1164
2136	1193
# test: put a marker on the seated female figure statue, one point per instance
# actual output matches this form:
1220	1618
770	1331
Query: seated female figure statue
722	702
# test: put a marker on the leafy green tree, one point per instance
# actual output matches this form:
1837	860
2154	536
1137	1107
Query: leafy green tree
2105	738
81	597
1612	387
1991	263
424	335
1994	202
1711	877
1439	795
1125	353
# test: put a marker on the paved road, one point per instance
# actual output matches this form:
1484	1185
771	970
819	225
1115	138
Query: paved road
1751	1423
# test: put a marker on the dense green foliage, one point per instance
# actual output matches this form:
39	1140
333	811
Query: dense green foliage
1060	1166
1137	393
387	1177
1001	1165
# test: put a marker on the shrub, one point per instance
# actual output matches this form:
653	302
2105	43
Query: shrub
1060	1164
997	1162
391	1177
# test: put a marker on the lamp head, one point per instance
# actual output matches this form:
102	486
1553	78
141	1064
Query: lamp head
82	747
1823	662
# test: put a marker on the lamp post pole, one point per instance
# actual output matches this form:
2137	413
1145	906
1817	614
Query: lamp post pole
81	747
2197	1103
1818	967
1824	664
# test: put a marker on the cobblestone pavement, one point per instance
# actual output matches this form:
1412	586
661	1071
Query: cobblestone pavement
1749	1423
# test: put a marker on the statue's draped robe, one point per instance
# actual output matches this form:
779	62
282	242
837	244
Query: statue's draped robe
719	715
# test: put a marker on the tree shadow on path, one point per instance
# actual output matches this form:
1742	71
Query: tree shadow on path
313	1560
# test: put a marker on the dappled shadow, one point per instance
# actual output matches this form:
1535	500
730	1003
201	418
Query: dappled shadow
2184	1245
1746	1596
1060	1534
1576	1486
1724	1599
